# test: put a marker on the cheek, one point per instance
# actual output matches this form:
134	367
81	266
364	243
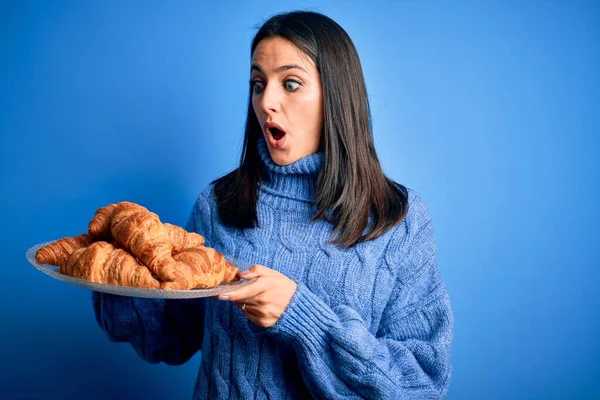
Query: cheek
310	108
256	107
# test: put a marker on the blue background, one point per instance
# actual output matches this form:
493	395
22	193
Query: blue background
490	111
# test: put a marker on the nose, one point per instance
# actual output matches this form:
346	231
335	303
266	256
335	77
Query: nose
270	100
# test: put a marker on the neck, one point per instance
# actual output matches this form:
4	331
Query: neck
296	181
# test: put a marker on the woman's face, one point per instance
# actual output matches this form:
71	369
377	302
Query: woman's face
287	99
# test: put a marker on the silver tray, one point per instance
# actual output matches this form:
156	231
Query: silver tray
53	271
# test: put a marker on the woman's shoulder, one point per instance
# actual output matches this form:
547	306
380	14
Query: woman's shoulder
208	193
414	232
418	211
205	200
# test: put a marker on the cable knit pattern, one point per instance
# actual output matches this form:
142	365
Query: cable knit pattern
372	321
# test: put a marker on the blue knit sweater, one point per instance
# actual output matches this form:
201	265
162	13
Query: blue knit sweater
372	321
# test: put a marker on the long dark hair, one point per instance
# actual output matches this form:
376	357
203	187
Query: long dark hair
351	186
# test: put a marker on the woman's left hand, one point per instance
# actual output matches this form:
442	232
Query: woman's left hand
264	300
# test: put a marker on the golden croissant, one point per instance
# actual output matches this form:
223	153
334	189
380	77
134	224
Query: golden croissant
58	252
101	262
128	245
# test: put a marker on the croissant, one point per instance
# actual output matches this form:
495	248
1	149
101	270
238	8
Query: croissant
58	252
143	252
140	232
182	239
101	262
203	267
100	227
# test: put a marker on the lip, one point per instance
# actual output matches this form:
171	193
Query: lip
275	144
270	124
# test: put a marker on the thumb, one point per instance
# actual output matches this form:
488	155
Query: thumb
257	270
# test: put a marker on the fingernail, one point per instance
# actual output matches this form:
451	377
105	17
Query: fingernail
223	297
246	272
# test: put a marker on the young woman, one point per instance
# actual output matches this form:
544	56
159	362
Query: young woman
348	301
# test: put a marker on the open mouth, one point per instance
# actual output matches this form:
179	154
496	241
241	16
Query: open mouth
276	133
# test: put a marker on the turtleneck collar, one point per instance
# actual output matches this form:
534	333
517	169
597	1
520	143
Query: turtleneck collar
297	180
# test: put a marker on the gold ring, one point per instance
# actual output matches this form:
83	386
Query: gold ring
244	307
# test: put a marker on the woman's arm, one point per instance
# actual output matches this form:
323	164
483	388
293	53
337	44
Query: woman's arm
160	330
409	356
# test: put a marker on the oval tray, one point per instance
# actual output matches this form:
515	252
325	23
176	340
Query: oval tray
53	271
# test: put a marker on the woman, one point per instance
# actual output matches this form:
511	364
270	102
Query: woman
348	301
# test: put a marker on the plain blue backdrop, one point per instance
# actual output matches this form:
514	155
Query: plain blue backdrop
489	110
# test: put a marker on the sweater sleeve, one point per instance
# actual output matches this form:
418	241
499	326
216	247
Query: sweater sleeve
160	330
409	355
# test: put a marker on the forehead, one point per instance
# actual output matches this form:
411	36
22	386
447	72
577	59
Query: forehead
276	51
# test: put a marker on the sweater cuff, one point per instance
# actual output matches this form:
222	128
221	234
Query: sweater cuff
307	320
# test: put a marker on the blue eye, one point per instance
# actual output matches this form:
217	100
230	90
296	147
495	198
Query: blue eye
257	86
289	85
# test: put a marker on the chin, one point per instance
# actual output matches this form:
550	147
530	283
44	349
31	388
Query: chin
283	161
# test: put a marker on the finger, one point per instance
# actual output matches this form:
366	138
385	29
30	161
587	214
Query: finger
255	316
248	302
245	292
257	270
249	310
226	290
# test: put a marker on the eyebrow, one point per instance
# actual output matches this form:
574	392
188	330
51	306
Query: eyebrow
279	69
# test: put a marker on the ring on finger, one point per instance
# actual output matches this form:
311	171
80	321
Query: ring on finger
244	307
